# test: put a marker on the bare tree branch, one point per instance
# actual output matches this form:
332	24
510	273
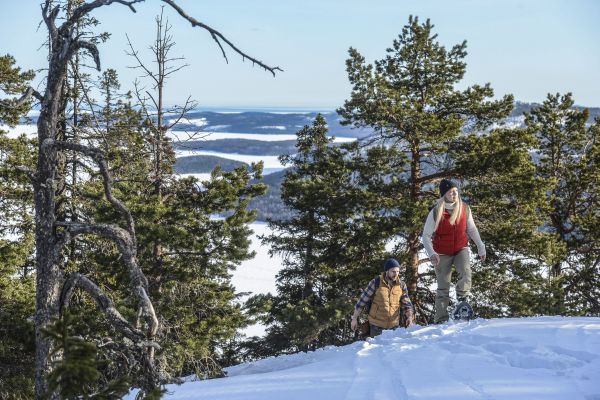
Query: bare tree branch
189	104
14	103
29	172
50	19
76	280
90	104
216	35
423	261
85	8
98	156
436	176
125	243
91	48
141	65
153	99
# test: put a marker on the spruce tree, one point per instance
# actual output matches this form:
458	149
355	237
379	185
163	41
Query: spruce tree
76	372
190	281
568	156
331	245
17	283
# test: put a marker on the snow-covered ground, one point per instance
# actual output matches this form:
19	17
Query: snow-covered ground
16	131
543	358
31	130
257	275
263	137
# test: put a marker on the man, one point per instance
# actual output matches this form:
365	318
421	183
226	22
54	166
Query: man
446	236
390	303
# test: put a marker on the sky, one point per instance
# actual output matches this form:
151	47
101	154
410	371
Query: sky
527	48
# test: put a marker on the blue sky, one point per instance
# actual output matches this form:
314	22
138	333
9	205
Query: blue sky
524	47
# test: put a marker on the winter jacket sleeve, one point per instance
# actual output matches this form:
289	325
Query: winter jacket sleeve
473	233
407	316
428	233
366	295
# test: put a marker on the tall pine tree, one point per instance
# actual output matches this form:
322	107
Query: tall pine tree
568	160
331	245
410	100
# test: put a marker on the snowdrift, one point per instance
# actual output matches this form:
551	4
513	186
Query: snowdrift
512	359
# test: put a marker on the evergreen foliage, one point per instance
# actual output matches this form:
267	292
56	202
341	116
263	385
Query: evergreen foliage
17	284
330	246
568	161
409	99
76	372
190	281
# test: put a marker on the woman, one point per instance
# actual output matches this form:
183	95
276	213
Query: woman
446	240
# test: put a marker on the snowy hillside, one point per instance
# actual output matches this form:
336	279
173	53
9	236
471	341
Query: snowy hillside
509	359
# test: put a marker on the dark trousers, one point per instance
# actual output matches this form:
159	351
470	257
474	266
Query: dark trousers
375	330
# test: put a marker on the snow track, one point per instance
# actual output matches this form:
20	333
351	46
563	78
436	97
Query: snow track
502	359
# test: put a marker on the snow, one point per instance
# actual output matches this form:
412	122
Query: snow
28	129
257	276
197	121
201	177
501	359
263	137
278	127
31	131
210	128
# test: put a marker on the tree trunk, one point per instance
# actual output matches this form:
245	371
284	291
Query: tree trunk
48	274
414	240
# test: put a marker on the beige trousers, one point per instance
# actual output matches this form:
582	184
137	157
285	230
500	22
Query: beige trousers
443	274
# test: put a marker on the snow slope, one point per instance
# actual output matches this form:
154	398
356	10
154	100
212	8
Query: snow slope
257	275
504	359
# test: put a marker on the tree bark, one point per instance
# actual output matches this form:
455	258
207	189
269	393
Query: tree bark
414	240
48	274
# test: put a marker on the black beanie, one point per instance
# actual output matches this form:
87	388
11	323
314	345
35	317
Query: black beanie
390	263
445	185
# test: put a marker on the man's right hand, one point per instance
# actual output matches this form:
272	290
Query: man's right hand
354	323
435	259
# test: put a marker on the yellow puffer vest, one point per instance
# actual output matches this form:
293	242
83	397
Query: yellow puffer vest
385	306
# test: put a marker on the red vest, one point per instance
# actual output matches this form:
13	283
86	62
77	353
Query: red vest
450	239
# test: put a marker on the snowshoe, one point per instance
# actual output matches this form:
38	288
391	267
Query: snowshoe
462	312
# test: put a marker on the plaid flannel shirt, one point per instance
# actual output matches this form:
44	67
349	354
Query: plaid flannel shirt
406	306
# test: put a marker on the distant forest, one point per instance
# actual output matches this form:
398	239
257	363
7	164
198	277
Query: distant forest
270	205
241	146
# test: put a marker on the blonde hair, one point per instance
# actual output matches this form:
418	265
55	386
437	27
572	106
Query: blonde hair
439	212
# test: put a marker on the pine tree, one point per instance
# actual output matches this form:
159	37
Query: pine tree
330	246
409	99
17	283
190	282
76	372
568	161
